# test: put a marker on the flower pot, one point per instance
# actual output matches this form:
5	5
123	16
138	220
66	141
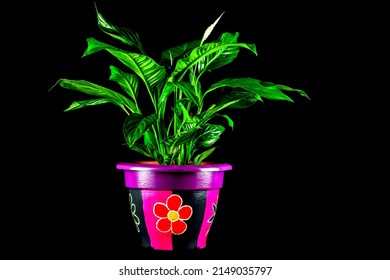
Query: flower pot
173	206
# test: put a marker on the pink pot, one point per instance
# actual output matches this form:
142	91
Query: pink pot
173	206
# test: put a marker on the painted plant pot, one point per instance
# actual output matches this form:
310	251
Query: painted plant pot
173	206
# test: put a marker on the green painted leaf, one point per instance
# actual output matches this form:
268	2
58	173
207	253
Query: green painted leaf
136	220
213	216
130	199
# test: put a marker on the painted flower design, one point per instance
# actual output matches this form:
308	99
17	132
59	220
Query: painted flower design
172	215
133	210
214	212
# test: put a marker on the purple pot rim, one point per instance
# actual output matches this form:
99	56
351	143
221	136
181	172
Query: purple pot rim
173	168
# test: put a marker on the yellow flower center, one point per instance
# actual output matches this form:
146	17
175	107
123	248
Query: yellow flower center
173	215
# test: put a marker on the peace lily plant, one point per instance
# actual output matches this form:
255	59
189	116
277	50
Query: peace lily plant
181	128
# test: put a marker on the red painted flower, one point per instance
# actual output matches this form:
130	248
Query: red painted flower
172	215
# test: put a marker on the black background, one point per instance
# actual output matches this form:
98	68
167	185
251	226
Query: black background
305	182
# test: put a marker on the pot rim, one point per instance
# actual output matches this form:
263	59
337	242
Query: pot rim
153	166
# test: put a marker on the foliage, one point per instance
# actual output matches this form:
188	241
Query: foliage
182	127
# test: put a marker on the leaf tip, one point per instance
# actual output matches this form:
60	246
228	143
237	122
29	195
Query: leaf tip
50	89
96	9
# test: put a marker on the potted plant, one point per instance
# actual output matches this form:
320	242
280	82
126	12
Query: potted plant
173	194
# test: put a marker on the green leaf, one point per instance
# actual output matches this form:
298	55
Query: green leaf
186	115
209	135
201	157
166	92
136	125
172	54
258	88
199	53
96	90
146	68
163	98
178	131
81	104
285	88
238	99
150	140
230	121
182	137
221	57
142	149
188	91
125	35
212	111
185	137
128	82
246	84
